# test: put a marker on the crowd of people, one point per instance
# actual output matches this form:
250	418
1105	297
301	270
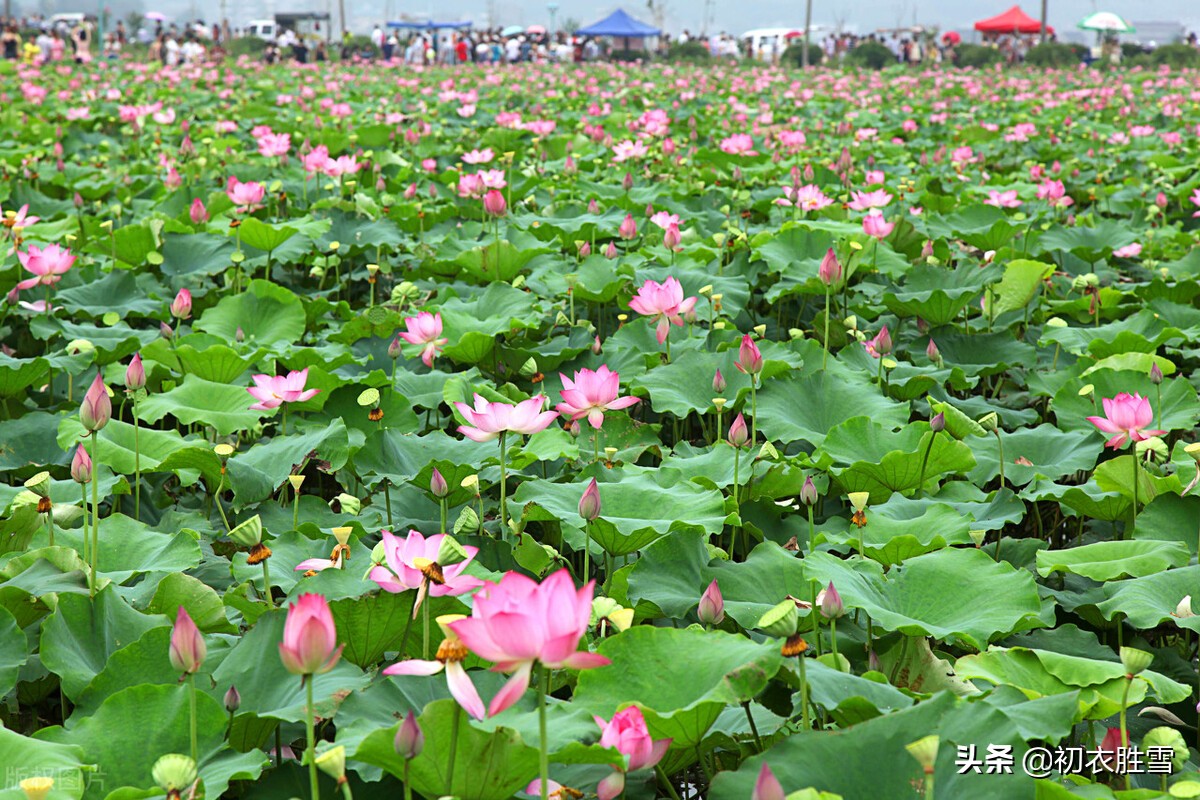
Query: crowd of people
74	38
484	47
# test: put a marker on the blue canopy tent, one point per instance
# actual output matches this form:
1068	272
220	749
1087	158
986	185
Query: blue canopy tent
428	26
620	25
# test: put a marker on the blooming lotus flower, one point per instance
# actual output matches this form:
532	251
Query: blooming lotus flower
591	394
272	391
488	420
18	220
245	196
664	219
274	144
806	198
1126	416
518	622
483	156
737	144
881	344
1054	193
626	150
1006	199
425	329
1128	251
750	359
187	644
875	225
342	165
309	643
315	161
663	303
47	265
862	201
96	409
449	658
627	733
470	186
408	566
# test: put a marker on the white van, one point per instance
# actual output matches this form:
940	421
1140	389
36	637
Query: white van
264	29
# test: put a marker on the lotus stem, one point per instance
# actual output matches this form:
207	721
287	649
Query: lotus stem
587	546
407	785
758	742
86	548
503	488
192	704
95	507
387	501
754	410
310	755
267	583
665	781
442	508
806	721
1124	734
137	469
1000	446
837	662
425	623
1133	519
825	338
543	742
925	461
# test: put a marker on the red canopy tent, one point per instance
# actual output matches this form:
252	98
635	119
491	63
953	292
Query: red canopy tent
1012	21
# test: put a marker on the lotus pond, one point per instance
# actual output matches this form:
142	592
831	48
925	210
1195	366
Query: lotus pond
558	432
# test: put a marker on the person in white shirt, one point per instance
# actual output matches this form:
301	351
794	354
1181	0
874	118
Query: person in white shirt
171	58
512	50
377	37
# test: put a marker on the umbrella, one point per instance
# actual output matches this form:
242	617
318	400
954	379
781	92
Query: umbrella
512	30
793	34
951	37
156	16
1106	21
535	29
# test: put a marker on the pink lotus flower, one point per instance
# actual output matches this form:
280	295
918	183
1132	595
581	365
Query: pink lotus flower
737	144
342	165
1006	199
316	160
245	196
875	225
81	465
187	649
1128	251
664	219
181	306
425	329
96	409
663	303
486	420
767	787
483	156
494	204
627	150
1126	416
830	271
18	220
881	344
135	374
449	658
405	559
519	622
470	185
627	733
806	198
711	610
750	359
274	144
628	229
1054	193
672	237
591	394
47	265
309	643
271	391
861	201
198	212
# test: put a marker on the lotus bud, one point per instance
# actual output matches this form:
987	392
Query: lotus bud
596	349
627	182
585	249
96	409
198	212
808	492
589	503
738	433
410	739
135	374
830	271
925	751
394	349
932	352
780	621
494	203
767	786
437	484
712	605
37	788
628	228
1135	661
174	773
830	603
1156	375
187	650
233	700
611	250
81	465
718	383
165	330
181	306
671	237
750	359
938	423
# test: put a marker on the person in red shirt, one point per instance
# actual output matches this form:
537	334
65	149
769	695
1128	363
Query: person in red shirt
461	50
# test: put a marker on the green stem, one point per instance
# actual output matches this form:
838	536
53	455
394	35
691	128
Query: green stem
425	623
811	529
267	583
665	781
1158	406
1000	444
86	548
754	410
929	784
442	506
217	498
137	467
346	793
1133	519
825	338
453	749
284	431
1124	735
310	755
758	742
925	461
95	506
295	507
737	457
543	742
804	695
503	488
387	499
192	703
837	662
587	546
50	523
407	785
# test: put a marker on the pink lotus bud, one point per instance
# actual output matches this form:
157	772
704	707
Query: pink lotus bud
585	250
437	484
809	174
1160	200
198	212
13	296
410	192
96	409
569	167
309	643
671	237
750	359
627	182
927	248
410	739
767	786
808	492
380	184
186	148
181	306
830	271
596	350
628	228
931	350
668	147
233	700
719	383
394	349
1156	375
494	204
712	605
239	335
135	374
81	465
611	250
187	644
78	197
593	206
938	423
739	434
831	603
573	428
883	341
589	503
166	331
